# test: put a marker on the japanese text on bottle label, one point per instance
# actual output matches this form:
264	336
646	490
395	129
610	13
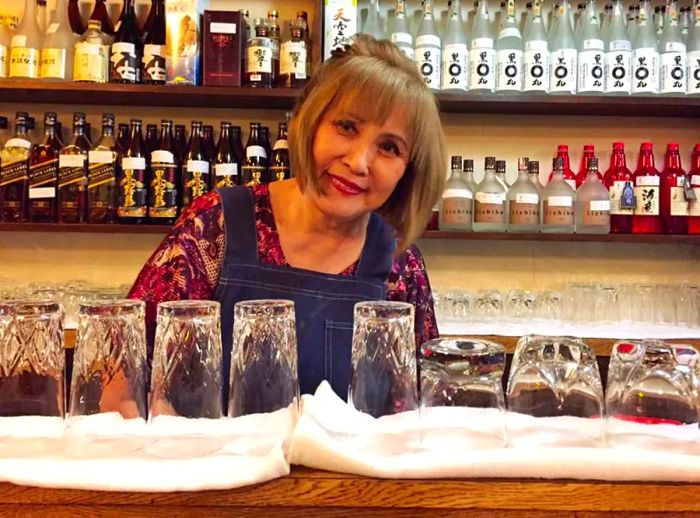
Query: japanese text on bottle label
645	71
562	76
482	68
509	70
455	59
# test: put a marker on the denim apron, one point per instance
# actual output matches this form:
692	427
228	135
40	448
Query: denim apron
323	303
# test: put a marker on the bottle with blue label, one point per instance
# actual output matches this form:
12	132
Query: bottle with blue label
563	54
455	54
591	53
509	53
428	49
482	54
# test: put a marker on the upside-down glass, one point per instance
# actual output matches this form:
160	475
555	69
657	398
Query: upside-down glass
549	305
107	409
488	304
384	378
554	393
264	358
652	396
579	302
520	304
606	307
461	401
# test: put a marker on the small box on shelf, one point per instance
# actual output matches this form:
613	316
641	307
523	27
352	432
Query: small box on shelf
223	44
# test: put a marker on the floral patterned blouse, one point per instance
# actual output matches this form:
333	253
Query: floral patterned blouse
187	263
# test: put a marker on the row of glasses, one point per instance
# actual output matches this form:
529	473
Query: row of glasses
495	305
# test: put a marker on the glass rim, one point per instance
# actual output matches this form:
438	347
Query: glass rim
120	302
189	308
38	306
449	346
383	309
257	303
264	308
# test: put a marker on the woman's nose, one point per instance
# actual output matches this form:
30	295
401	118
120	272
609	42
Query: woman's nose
359	157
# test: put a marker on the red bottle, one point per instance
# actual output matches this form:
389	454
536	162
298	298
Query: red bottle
569	176
694	206
588	152
618	180
674	206
647	191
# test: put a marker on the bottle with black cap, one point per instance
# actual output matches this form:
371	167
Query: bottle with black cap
132	206
457	201
103	165
72	174
43	173
14	173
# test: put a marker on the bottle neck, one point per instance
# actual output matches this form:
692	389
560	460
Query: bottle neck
21	130
618	160
135	131
564	155
695	162
107	130
646	160
78	130
61	13
673	160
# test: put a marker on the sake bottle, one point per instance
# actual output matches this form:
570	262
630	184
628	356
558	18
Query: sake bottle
25	48
57	50
482	62
618	54
428	50
563	54
5	44
693	57
591	53
400	34
672	54
645	54
373	22
509	53
536	57
455	55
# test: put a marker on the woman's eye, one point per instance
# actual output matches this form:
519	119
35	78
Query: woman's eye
345	126
391	148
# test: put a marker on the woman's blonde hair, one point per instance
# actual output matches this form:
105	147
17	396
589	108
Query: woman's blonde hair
373	78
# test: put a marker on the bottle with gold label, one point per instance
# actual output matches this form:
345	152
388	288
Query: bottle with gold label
56	62
195	174
103	163
91	56
163	195
133	182
279	163
5	42
14	173
226	164
72	175
254	170
43	173
25	48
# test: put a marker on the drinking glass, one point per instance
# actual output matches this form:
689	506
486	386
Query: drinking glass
579	302
643	304
688	307
461	401
605	306
520	304
488	304
554	393
549	305
665	303
652	396
107	412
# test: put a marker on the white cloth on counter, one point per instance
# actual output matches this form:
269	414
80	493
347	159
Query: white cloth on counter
333	436
169	454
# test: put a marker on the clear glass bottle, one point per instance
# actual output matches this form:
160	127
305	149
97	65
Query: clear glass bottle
659	20
489	201
645	56
5	43
557	200
606	18
127	50
163	195
533	171
91	56
373	22
509	53
562	54
523	202
578	20
259	72
25	48
482	54
293	73
525	18
41	15
455	54
672	55
226	165
618	55
56	62
684	21
14	173
536	57
618	180
457	201
693	56
591	53
103	164
501	173
428	50
632	11
401	35
592	204
132	196
43	171
468	173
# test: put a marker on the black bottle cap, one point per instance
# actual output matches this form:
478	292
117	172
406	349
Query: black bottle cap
50	119
593	163
3	122
500	166
166	122
31	123
108	120
558	163
456	162
136	121
151	127
468	165
522	163
533	167
490	162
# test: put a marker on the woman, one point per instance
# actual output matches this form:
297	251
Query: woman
365	139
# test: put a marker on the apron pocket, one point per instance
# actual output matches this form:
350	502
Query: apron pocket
338	356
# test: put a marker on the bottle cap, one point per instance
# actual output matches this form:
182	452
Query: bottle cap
456	162
522	163
558	163
490	162
225	124
136	122
165	122
533	167
79	118
562	148
151	127
108	119
468	165
672	146
589	148
49	118
646	146
593	163
500	166
618	146
273	13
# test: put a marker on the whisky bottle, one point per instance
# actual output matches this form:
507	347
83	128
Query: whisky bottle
72	175
43	173
4	130
91	56
279	163
523	202
153	62
195	176
237	143
457	201
533	172
25	48
592	203
76	20
293	58
132	205
274	34
259	72
265	138
468	173
163	195
14	173
647	193
254	170
125	56
103	164
557	202
226	164
618	180
180	142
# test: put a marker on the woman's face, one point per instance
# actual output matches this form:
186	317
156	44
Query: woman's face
358	162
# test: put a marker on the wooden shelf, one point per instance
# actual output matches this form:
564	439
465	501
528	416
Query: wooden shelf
79	94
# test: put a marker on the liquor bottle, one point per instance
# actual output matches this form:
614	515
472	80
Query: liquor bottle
248	29
632	11
76	20
684	21
226	165
209	144
303	19
498	19
536	57
605	21
428	51
25	48
693	56
150	141
103	164
482	62
557	200
525	18
468	174
562	54
14	173
591	55
569	176
163	192
41	15
401	36
195	175
293	58
533	171
279	163
99	12
618	55
694	206
674	204
579	19
592	203
57	48
373	22
509	53
127	49
501	173
455	56
132	185
91	56
489	201
265	137
523	202
4	130
123	138
153	61
659	20
237	143
180	142
254	170
43	173
31	125
588	153
5	45
259	72
673	55
618	179
457	200
647	182
645	56
274	34
72	174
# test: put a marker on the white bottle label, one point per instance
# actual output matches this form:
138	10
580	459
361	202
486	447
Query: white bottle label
591	71
18	142
618	68
402	37
3	61
71	161
457	193
226	169
647	199
645	71
693	71
482	68
599	205
617	191
162	156
42	192
91	62
490	197
134	163
648	180
428	60
536	65
560	201
454	67
293	59
281	144
259	60
252	151
509	70
198	166
100	157
528	198
672	73
562	75
594	44
679	205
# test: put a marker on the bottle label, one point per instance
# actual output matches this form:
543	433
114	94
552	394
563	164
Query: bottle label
647	198
53	64
197	166
100	173
24	62
71	170
163	202
672	73
562	76
694	206
293	59
13	172
524	212
679	205
457	193
253	174
591	71
560	201
457	211
509	70
3	61
536	65
648	180
489	207
693	71
42	174
162	156
618	67
617	45
482	67
527	198
428	40
281	144
278	172
455	59
91	63
593	44
226	169
42	193
571	182
133	201
137	163
558	211
259	60
597	213
645	70
18	142
153	62
509	32
428	60
402	37
124	62
255	151
621	198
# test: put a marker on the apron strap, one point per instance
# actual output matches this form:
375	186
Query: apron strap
378	253
239	225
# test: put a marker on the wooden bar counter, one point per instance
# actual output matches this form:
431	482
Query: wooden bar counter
311	493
